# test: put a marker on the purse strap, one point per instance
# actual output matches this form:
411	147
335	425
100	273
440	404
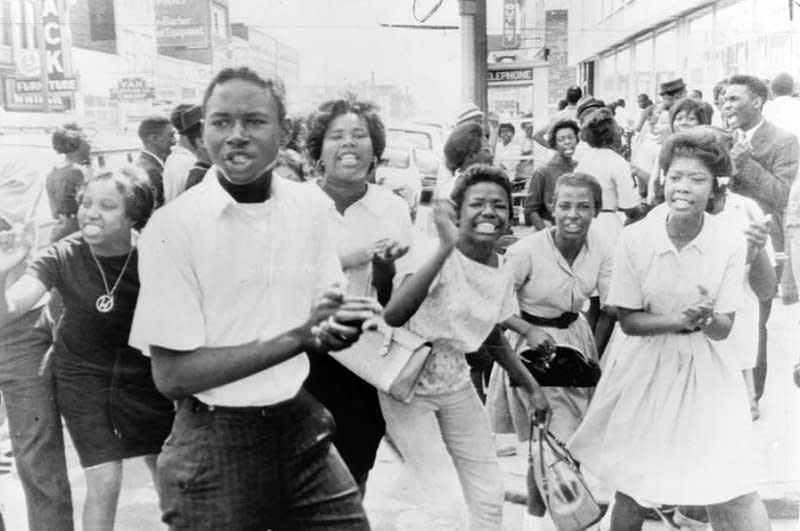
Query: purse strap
558	448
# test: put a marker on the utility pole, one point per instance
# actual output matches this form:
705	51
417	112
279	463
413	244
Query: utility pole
473	52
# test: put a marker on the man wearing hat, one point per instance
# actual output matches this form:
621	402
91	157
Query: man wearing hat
672	91
181	157
470	113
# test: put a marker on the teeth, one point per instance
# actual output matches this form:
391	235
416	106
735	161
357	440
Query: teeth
91	230
238	158
348	158
486	228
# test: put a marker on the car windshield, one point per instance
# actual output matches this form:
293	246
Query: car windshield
395	158
409	139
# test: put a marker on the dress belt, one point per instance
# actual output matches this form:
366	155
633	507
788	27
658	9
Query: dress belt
562	321
613	211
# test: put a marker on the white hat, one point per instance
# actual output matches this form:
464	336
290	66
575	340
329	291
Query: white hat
469	112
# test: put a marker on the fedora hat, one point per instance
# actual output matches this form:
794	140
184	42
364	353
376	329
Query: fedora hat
668	87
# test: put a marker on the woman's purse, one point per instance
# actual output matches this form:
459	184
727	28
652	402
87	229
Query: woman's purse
554	472
566	366
390	359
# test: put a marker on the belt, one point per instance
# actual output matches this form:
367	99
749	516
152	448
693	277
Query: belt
613	211
562	321
280	408
686	331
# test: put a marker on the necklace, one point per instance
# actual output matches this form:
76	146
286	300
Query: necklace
105	303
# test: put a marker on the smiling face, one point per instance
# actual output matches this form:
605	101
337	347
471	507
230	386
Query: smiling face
102	217
688	187
566	142
684	120
573	211
740	108
347	148
242	130
484	212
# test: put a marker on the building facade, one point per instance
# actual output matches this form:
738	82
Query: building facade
268	56
626	47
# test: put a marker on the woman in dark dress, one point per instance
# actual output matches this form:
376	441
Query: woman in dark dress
346	138
64	181
104	388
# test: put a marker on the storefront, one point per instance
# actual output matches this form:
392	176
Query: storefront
701	41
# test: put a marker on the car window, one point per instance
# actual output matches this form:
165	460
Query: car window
395	158
409	139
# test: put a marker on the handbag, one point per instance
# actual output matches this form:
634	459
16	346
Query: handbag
390	359
554	472
566	366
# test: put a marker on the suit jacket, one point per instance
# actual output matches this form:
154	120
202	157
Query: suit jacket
155	172
767	175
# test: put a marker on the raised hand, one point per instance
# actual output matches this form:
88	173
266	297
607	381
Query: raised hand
14	247
444	216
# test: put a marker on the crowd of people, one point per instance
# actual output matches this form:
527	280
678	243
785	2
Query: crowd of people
185	306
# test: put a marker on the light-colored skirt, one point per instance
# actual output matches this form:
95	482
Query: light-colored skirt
569	404
669	421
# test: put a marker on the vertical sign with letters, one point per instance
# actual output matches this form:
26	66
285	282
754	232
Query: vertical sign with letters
51	23
510	39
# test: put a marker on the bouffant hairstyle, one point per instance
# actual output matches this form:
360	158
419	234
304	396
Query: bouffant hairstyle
274	85
600	129
464	140
67	138
702	144
134	186
479	173
321	119
558	126
581	180
698	108
782	85
755	86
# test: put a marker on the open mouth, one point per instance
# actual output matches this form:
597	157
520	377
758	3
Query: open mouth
349	159
91	230
486	228
238	160
680	203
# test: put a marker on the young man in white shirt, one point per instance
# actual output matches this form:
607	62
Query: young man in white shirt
235	294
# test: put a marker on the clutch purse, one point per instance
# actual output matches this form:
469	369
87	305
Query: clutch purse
553	471
565	367
390	359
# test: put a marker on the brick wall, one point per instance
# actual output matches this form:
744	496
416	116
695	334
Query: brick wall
560	76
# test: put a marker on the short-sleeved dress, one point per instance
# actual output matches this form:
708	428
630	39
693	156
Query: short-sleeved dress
619	192
670	421
62	184
547	286
104	388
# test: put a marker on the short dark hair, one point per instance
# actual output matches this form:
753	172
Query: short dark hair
507	126
700	144
274	85
67	138
479	173
782	85
719	88
562	104
698	92
755	86
152	125
696	107
574	94
464	140
320	120
600	129
581	180
139	195
559	125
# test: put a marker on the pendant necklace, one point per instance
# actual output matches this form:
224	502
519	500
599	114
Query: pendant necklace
105	303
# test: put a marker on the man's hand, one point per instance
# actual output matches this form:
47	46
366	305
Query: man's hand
388	250
343	327
740	152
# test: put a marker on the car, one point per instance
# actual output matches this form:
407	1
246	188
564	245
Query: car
404	170
108	151
426	140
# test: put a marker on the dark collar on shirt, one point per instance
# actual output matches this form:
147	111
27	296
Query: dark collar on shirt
256	191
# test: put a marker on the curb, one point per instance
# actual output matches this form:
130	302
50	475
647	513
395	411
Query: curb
777	508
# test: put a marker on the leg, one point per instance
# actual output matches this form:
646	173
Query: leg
102	494
627	515
760	370
745	513
468	437
34	424
150	462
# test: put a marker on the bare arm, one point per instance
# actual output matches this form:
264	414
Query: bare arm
539	137
642	323
603	330
20	297
762	276
407	299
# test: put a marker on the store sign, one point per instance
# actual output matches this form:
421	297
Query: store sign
32	86
130	89
515	75
181	23
51	21
27	95
510	37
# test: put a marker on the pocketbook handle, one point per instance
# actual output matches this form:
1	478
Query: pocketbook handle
387	341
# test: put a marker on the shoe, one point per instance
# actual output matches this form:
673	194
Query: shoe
755	413
688	524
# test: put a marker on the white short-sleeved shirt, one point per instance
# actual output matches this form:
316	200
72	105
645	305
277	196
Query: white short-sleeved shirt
652	275
379	214
176	170
216	273
465	301
614	175
547	286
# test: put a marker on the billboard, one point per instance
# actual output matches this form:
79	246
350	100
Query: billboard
182	24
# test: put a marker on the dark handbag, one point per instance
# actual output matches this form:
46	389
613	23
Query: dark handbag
556	476
566	366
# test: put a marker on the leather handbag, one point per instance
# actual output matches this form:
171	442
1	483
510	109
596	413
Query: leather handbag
553	471
566	366
390	359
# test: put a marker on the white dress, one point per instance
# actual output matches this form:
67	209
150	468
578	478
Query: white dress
670	420
619	191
